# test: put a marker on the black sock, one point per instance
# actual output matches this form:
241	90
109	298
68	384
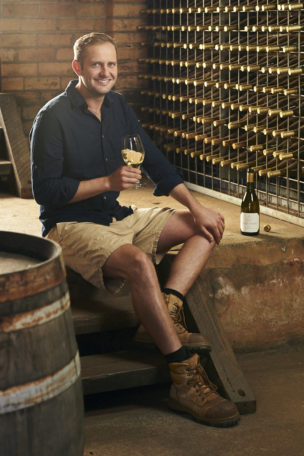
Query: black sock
174	292
178	356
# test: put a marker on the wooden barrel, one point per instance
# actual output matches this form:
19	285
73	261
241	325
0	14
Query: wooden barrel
41	401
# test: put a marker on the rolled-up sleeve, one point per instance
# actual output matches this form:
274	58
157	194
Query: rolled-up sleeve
50	185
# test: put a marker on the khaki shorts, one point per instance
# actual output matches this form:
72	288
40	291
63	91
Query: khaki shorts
86	246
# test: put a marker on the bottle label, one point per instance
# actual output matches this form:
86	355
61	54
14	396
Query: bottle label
250	223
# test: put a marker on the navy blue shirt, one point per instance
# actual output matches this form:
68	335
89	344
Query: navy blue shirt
69	144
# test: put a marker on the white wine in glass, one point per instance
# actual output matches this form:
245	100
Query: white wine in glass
133	153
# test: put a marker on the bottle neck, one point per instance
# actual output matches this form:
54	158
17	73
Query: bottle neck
250	185
250	181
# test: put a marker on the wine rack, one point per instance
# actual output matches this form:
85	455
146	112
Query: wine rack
223	92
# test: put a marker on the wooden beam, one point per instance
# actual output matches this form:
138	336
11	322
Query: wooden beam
224	365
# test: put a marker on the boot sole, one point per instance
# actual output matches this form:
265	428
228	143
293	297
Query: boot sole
227	422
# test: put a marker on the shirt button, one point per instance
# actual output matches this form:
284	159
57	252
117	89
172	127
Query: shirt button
106	159
102	136
104	197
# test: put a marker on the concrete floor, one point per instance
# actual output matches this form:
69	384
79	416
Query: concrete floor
138	423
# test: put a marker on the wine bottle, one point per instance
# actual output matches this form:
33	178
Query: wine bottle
290	6
250	209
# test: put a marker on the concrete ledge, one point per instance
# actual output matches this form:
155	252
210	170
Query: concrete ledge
257	289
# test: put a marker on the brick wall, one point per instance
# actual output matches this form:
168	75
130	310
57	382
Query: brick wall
36	46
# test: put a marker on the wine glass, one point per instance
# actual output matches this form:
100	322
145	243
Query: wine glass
133	153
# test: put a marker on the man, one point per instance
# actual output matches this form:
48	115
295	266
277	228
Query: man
78	172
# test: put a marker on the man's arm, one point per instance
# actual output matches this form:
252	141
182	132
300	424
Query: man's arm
122	179
50	185
209	222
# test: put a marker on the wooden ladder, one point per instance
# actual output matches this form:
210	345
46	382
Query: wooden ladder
14	149
105	325
5	164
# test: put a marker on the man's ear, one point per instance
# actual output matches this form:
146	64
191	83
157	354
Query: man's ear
76	67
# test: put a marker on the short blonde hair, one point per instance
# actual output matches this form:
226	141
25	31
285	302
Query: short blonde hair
90	39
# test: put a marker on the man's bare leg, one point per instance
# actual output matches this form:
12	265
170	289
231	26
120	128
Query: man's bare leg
130	263
192	257
191	390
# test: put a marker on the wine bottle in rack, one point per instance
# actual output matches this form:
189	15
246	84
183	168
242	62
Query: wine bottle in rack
233	157
290	6
283	169
250	209
249	161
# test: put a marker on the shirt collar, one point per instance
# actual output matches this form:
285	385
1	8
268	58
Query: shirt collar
78	101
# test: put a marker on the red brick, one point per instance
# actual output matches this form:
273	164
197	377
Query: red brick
55	69
127	38
131	52
126	9
55	39
12	84
19	69
76	24
7	25
28	98
8	55
126	24
131	81
64	81
65	54
91	10
36	55
18	40
129	66
41	83
47	95
26	1
38	25
57	10
17	10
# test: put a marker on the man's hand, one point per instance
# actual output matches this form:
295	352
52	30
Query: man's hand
123	178
209	222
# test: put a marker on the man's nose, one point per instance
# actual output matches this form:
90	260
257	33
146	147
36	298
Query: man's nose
104	70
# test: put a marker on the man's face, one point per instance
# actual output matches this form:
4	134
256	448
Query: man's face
98	70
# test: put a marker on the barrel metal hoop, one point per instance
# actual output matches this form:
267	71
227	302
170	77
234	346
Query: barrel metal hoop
35	317
41	390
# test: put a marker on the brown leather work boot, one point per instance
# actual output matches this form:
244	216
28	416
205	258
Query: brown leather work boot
193	341
192	392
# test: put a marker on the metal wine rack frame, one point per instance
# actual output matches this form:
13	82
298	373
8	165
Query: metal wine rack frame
223	92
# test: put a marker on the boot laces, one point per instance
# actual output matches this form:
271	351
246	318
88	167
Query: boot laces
178	317
199	379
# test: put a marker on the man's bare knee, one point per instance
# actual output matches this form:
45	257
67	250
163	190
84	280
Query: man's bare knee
128	262
140	265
